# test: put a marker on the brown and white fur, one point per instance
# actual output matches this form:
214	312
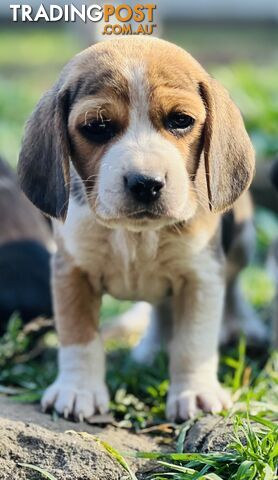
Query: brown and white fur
167	252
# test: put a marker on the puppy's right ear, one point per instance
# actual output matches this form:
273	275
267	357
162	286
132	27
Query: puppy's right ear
43	166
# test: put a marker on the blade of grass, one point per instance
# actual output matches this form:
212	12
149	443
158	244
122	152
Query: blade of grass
191	471
268	473
177	468
208	458
241	364
38	469
183	431
111	450
120	459
246	470
264	421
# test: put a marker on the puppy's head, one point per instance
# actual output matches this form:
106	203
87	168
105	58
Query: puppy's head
140	120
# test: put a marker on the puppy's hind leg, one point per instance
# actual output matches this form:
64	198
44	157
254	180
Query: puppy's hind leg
157	336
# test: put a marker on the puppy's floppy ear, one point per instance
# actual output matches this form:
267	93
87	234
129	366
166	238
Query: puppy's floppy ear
43	167
228	152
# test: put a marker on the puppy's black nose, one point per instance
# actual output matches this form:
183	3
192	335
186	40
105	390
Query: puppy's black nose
143	188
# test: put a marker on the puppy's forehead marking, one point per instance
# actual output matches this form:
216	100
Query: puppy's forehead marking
136	76
135	73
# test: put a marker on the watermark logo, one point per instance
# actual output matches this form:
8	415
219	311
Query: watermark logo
120	19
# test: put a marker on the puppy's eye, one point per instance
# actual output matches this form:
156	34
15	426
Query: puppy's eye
99	131
178	123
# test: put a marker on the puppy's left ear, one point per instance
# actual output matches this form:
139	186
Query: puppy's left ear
228	152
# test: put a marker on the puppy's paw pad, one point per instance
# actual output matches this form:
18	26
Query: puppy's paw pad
185	403
80	403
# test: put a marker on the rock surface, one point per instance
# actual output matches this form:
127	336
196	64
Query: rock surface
210	434
28	436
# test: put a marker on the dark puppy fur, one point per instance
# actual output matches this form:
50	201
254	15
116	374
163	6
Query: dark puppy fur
239	243
24	281
274	174
19	219
25	239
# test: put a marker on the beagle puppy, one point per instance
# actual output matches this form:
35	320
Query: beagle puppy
136	151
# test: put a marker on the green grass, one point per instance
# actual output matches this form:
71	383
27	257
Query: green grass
252	455
135	404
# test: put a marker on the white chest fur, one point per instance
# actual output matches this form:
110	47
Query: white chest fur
132	266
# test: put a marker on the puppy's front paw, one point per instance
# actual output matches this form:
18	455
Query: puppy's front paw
184	402
80	401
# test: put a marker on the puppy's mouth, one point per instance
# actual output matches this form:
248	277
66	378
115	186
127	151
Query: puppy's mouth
145	215
134	219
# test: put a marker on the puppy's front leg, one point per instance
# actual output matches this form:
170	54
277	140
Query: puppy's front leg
80	387
193	350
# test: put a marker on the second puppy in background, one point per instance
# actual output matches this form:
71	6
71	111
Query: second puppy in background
25	244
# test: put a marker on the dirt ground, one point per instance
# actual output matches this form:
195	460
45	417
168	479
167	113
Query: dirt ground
28	436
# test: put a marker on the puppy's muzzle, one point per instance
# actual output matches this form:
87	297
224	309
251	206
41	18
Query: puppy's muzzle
144	189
